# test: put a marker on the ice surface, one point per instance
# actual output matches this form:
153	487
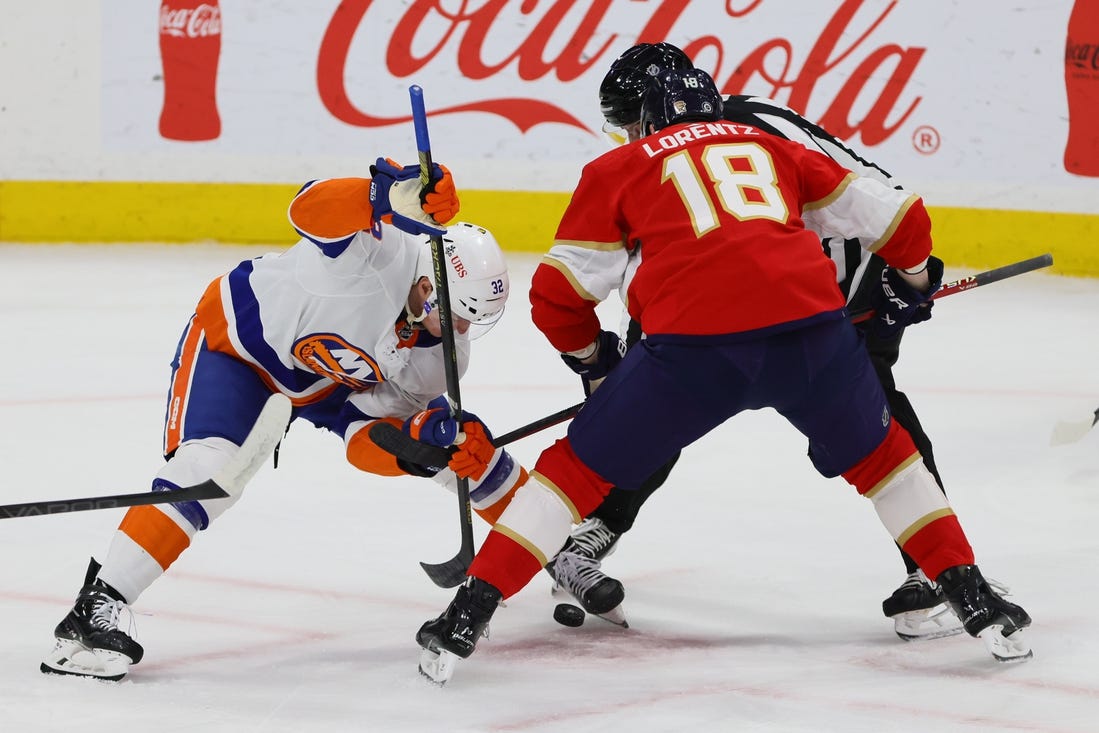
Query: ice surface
753	585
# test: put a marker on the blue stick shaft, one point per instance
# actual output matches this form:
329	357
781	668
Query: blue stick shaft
419	123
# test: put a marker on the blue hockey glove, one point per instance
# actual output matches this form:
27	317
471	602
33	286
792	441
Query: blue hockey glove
609	350
898	305
398	199
435	426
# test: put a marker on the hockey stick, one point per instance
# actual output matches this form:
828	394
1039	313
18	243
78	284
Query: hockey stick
538	425
405	447
1067	431
974	281
265	435
392	440
452	572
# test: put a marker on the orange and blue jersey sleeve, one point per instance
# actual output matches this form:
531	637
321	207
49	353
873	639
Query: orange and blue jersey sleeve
366	455
330	212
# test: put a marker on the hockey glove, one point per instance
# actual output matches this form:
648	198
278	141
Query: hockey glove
602	356
474	453
398	199
898	305
436	426
433	425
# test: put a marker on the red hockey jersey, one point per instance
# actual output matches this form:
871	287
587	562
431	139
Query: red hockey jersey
719	210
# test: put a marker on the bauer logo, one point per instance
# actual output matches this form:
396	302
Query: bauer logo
330	356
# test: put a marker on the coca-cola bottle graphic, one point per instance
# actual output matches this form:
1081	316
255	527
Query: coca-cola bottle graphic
1082	86
190	43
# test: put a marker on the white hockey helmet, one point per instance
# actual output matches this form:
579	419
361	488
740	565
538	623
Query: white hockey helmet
478	273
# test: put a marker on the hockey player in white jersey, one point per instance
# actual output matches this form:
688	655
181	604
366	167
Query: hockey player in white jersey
918	607
343	323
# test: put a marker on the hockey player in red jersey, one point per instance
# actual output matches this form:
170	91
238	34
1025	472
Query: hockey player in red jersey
733	291
344	325
917	608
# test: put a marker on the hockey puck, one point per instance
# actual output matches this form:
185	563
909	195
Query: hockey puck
567	614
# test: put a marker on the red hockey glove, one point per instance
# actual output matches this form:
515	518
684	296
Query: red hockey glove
438	198
475	453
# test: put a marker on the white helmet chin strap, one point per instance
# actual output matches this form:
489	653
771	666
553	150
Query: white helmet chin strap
414	320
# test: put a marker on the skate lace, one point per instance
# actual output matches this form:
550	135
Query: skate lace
107	613
593	538
577	573
917	580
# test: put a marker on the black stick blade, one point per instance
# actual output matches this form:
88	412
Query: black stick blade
452	573
387	437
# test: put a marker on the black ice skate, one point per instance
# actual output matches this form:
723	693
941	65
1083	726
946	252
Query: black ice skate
594	538
577	570
919	610
454	634
88	640
985	614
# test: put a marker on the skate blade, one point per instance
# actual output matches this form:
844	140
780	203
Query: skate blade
925	624
616	616
438	666
1013	648
1066	432
70	657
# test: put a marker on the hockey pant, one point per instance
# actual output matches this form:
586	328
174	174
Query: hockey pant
818	377
213	402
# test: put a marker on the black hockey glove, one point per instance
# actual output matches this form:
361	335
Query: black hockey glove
609	350
898	305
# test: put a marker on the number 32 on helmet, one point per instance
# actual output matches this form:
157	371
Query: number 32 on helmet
477	274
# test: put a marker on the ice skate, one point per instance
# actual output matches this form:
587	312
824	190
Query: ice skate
581	577
454	635
986	615
577	570
88	640
919	610
593	538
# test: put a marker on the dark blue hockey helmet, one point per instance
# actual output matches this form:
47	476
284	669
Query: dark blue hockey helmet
689	95
628	77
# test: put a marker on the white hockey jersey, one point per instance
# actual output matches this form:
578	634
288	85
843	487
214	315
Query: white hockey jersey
328	313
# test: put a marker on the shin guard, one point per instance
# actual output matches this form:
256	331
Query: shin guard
911	505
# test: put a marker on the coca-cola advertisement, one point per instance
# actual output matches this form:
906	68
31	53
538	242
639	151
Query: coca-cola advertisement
1082	89
966	117
190	43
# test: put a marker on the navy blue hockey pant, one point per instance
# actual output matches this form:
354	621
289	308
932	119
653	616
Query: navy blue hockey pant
671	390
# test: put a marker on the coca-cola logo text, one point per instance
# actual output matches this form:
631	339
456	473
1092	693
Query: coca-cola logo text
1082	55
204	20
839	41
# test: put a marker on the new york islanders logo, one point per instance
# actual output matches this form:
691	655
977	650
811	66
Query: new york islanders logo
329	355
